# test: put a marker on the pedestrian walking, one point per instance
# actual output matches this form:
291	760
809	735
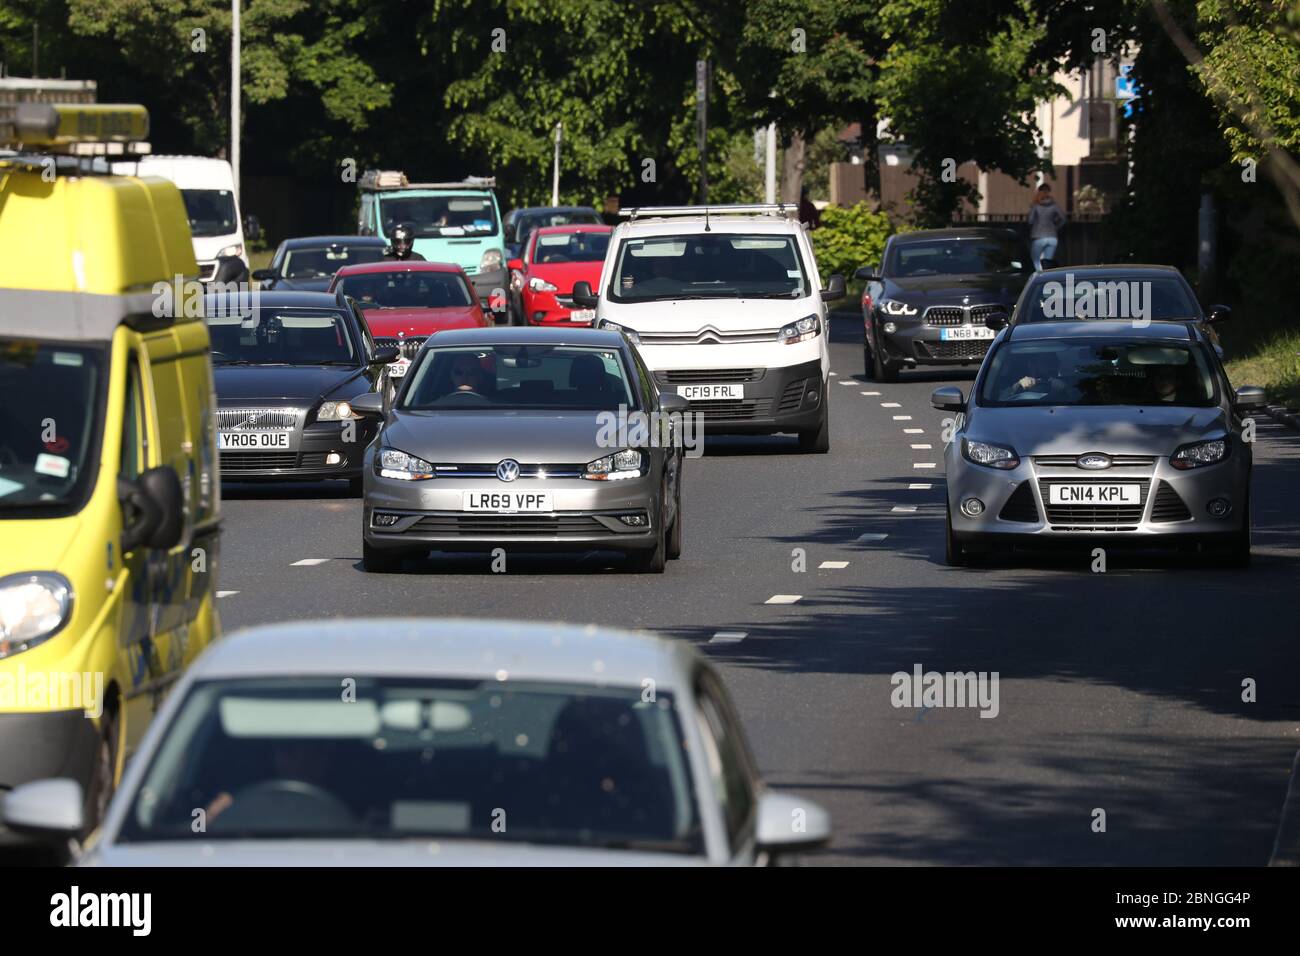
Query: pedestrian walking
1045	222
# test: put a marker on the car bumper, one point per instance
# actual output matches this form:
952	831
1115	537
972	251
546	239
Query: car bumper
309	462
783	399
36	746
1173	508
917	344
585	515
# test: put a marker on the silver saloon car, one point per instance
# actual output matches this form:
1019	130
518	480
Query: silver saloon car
1099	431
407	742
526	439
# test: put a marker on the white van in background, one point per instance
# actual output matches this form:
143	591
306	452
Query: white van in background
208	188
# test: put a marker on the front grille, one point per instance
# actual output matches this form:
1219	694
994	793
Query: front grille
724	410
232	462
1096	517
1071	461
497	525
972	349
708	337
979	314
229	419
944	316
710	376
409	347
1168	506
1021	505
481	470
792	397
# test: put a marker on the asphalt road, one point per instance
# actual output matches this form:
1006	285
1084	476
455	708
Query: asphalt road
1118	690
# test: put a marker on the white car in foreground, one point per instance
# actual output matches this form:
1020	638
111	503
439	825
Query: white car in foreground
422	742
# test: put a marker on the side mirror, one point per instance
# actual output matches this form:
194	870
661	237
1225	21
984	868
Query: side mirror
154	504
1218	313
834	289
948	399
264	275
1251	396
995	322
252	228
583	296
672	403
775	831
51	809
369	404
386	356
515	265
867	274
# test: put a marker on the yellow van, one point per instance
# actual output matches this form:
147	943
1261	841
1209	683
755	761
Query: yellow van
109	493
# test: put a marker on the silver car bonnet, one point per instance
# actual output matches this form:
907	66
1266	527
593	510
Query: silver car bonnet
529	437
1113	429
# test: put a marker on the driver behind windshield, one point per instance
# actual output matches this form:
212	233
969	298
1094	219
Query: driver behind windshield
1041	375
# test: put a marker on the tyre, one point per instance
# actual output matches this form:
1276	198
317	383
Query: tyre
955	554
104	782
884	370
382	562
653	561
817	441
1237	552
868	364
674	545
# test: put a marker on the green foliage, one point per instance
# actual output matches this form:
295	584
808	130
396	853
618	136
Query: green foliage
849	237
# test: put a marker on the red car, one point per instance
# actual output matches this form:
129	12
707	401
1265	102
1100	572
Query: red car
556	257
406	302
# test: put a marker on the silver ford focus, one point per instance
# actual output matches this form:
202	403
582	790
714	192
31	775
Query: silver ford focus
526	439
1088	431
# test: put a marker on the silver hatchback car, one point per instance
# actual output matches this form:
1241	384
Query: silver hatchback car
528	439
1099	430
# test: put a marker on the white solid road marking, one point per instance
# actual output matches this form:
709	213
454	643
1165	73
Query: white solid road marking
728	637
902	418
783	599
834	565
309	561
890	405
221	594
872	537
903	509
922	447
919	486
913	431
923	464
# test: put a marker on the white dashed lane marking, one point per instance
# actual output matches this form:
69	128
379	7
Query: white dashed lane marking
902	418
308	562
870	393
922	447
913	431
847	381
890	405
783	599
903	509
923	464
728	637
222	594
833	565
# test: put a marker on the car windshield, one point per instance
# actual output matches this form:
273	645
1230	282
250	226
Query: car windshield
405	758
211	211
407	290
317	262
1067	296
570	247
282	337
49	422
519	377
433	216
956	257
1097	372
708	265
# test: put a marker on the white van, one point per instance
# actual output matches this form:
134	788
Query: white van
208	188
727	308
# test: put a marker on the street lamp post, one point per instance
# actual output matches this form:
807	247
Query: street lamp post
555	170
234	93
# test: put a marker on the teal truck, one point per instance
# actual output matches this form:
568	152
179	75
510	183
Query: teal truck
453	222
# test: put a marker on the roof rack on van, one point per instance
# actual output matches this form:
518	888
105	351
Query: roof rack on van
736	209
378	180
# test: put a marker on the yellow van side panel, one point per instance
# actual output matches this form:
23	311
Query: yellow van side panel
100	234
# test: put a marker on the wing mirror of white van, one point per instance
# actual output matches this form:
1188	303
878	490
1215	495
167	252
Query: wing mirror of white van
154	508
47	809
834	289
583	296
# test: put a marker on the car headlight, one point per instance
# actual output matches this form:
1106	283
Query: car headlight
392	463
808	327
236	250
335	412
33	608
1200	453
623	464
491	261
989	455
538	284
894	307
615	327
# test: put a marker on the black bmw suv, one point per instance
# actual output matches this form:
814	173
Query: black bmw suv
934	292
